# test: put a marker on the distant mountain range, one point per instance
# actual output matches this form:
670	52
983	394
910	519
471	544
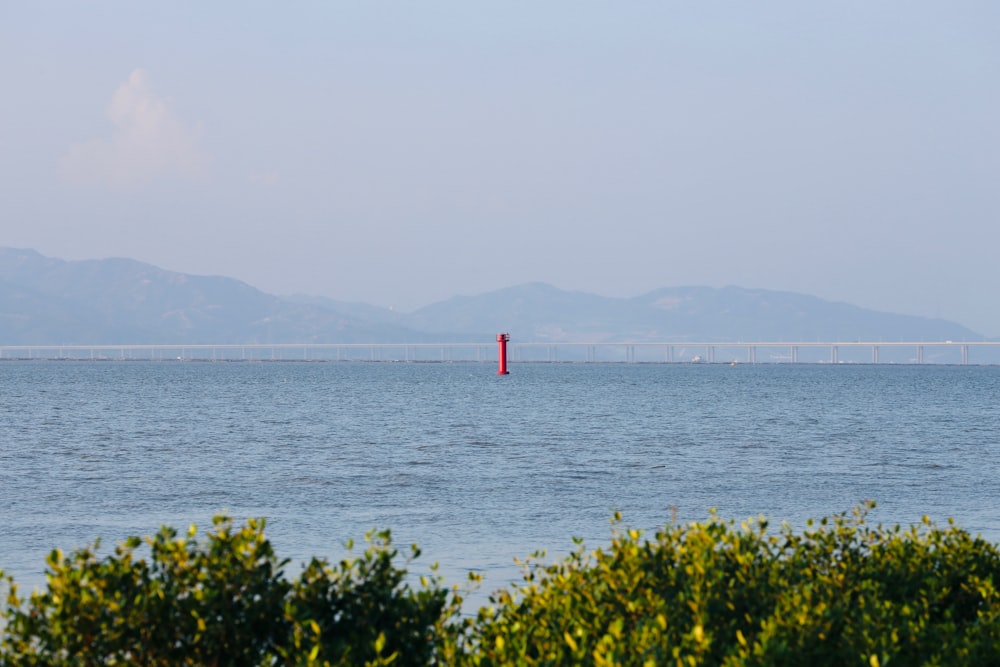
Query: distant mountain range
46	301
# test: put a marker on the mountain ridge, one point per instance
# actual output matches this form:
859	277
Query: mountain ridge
47	301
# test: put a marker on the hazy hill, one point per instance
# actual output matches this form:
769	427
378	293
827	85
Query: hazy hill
533	312
118	301
754	314
50	301
539	312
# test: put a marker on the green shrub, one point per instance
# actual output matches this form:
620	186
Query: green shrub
211	604
223	601
364	612
840	592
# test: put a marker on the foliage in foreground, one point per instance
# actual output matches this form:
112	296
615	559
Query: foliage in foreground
223	601
840	592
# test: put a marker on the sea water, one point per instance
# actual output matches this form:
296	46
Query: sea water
480	469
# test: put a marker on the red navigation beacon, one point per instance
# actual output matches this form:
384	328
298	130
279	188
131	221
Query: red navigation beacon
502	353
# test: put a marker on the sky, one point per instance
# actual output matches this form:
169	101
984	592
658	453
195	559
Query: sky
400	153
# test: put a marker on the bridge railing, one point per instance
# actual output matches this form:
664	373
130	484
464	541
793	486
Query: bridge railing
835	352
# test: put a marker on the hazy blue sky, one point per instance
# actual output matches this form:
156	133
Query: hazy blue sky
401	153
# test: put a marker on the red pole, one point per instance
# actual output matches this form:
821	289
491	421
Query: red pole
502	353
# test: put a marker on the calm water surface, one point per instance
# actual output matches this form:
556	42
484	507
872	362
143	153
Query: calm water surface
480	469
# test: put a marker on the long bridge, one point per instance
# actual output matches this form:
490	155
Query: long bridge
758	352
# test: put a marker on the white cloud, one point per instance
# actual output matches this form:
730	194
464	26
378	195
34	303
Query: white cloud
148	141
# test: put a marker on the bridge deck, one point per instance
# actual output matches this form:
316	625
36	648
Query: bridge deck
951	352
